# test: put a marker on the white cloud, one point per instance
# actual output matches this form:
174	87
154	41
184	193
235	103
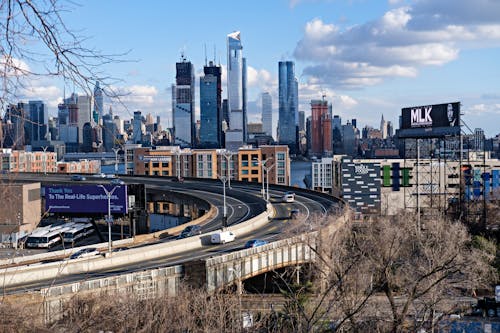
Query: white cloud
138	95
482	109
49	94
398	44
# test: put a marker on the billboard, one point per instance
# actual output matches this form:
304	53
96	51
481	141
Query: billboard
85	199
430	120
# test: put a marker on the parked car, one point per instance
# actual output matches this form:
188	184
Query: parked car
255	243
117	181
190	230
78	178
222	237
100	175
84	253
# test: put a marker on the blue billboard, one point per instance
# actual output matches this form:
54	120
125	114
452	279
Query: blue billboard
85	199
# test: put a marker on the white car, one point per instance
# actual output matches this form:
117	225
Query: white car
288	197
84	253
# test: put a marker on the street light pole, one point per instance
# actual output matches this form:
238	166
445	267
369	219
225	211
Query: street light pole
45	159
224	180
263	165
116	150
228	155
109	194
267	179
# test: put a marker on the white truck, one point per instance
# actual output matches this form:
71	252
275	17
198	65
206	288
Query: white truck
222	237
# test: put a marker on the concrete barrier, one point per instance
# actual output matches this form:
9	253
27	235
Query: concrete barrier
19	275
60	253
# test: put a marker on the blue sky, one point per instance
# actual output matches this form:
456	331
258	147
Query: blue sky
367	57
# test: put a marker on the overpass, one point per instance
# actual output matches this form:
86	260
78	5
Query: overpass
156	269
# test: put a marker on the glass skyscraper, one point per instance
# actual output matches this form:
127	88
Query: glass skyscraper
236	92
267	113
288	105
183	113
210	107
37	126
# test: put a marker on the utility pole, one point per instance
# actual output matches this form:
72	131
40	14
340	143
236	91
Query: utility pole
109	219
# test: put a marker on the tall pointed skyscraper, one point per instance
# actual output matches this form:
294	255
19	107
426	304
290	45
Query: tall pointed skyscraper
236	92
288	121
183	113
98	103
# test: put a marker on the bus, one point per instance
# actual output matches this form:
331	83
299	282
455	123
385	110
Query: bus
78	231
44	238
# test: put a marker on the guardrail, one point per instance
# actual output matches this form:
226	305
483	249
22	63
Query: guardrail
13	276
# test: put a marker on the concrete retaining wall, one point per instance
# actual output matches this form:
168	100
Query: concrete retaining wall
19	275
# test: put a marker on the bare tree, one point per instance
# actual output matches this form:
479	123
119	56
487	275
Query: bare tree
421	270
36	42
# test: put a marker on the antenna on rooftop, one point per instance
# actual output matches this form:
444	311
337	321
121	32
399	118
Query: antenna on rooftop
205	47
214	53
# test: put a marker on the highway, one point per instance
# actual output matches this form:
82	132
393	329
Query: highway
244	201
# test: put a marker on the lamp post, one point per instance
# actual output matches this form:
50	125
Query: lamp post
109	219
116	150
223	179
228	155
267	179
263	165
178	163
45	159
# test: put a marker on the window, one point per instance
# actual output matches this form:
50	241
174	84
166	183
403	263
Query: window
156	164
164	164
280	156
244	172
244	163
255	172
281	180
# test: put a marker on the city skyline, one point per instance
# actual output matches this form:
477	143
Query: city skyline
367	58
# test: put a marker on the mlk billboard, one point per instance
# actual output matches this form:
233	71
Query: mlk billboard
90	199
430	120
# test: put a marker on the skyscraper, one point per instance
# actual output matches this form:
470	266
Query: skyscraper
383	127
84	103
183	113
136	125
235	84
321	129
244	98
98	103
302	121
210	107
15	126
267	113
109	130
288	105
38	121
